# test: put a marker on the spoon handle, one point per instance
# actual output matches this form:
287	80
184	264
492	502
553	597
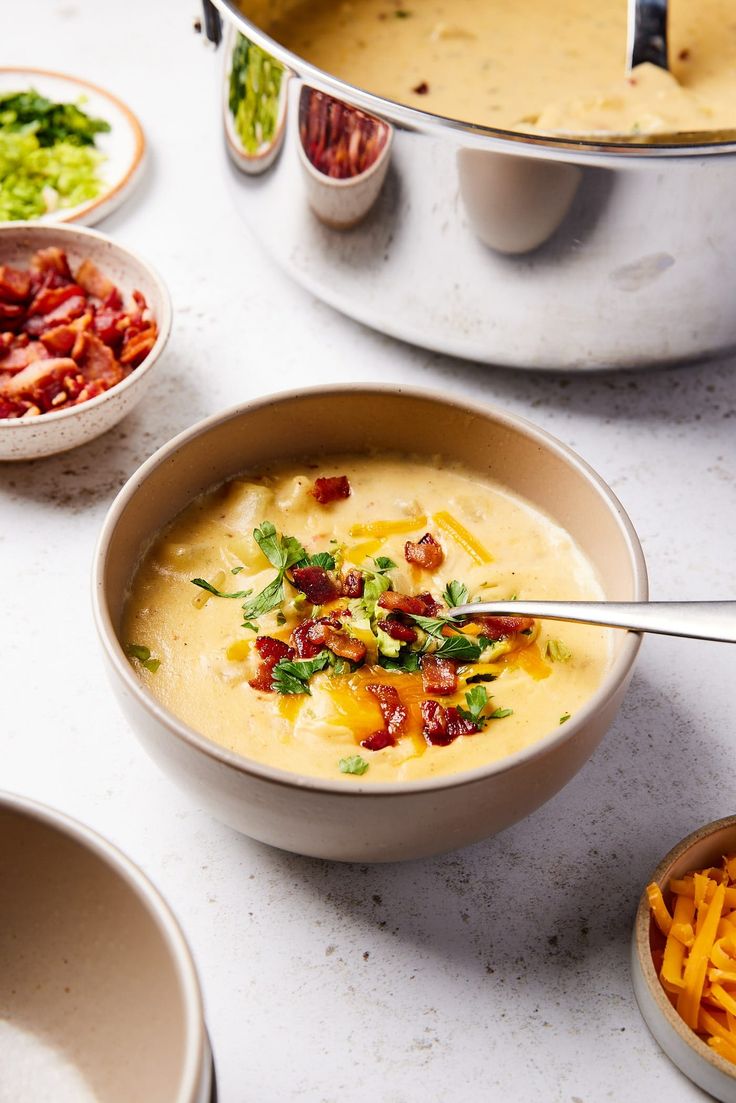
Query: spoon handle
699	620
647	33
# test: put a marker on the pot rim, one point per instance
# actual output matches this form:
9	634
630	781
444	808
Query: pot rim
615	677
197	1057
413	118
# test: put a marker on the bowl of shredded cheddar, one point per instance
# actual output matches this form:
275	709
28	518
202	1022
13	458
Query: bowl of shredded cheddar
684	957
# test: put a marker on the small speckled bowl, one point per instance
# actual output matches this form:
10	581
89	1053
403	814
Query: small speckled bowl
705	847
100	1001
60	430
345	819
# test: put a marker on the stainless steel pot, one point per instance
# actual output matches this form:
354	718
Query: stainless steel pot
505	248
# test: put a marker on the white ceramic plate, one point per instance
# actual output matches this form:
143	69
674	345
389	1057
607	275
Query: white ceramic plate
123	146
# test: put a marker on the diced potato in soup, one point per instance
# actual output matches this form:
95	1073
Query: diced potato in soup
303	625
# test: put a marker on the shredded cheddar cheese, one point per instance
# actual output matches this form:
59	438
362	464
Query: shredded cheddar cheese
697	964
462	537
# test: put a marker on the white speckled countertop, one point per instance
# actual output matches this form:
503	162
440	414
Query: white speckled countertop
497	973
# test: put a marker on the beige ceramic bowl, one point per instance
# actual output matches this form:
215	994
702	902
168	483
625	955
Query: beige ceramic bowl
355	821
60	430
682	1045
99	1001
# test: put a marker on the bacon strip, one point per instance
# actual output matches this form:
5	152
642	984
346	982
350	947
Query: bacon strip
271	652
496	628
315	584
442	726
439	676
331	489
352	584
397	630
427	553
420	605
308	638
395	716
15	285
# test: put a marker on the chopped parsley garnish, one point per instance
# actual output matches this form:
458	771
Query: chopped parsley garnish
293	676
455	593
205	585
353	765
281	551
383	563
406	663
433	626
143	654
402	13
499	714
319	559
280	619
557	651
565	718
476	700
461	648
236	570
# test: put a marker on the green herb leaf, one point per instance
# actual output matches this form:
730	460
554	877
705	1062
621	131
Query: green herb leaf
267	600
383	563
249	624
461	648
402	13
406	663
480	678
455	593
353	765
319	559
205	585
281	551
280	618
293	677
499	714
433	626
236	570
557	651
476	700
564	718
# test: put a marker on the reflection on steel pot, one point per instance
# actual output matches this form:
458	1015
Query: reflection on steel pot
506	248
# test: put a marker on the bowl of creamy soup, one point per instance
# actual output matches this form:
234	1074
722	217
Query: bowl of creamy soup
100	1001
273	606
487	179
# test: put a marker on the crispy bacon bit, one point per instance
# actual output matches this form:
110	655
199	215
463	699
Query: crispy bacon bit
51	260
339	140
271	652
378	741
93	281
395	716
308	638
346	647
15	285
315	584
420	605
352	584
397	630
47	315
496	628
442	726
427	553
439	676
331	489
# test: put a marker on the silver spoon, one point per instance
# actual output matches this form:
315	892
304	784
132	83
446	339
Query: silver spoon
647	33
699	620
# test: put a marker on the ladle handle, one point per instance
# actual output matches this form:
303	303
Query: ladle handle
647	33
700	620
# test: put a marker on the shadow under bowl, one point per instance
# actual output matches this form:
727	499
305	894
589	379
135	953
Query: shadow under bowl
347	819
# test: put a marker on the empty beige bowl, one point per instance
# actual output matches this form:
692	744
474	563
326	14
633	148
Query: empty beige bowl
705	847
99	1001
46	434
348	820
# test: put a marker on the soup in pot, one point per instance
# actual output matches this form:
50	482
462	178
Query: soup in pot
552	67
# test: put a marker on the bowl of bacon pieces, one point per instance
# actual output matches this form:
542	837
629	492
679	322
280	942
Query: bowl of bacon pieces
684	957
82	323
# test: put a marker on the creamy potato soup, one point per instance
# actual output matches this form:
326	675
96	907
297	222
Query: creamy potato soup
555	66
297	616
